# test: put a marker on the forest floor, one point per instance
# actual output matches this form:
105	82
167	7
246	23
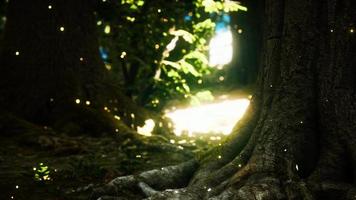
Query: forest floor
61	167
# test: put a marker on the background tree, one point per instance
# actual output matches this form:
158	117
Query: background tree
51	71
297	141
54	48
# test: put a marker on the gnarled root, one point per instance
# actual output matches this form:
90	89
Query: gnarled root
250	182
148	182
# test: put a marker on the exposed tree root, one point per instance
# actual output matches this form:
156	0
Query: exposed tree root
148	182
247	185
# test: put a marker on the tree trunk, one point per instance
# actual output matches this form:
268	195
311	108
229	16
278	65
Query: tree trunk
297	139
50	56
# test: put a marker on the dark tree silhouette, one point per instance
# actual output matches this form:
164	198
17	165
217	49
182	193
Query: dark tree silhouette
50	55
49	59
297	140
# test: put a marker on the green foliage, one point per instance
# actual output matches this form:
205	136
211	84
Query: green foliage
212	6
42	172
188	37
133	4
158	49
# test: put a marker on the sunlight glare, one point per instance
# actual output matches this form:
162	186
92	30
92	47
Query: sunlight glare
210	118
146	129
220	48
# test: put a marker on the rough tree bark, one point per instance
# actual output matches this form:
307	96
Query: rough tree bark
297	139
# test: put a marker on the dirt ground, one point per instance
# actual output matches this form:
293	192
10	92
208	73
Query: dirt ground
57	167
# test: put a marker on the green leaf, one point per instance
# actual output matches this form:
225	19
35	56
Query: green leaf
186	87
210	6
173	74
197	55
206	24
230	6
185	34
43	169
188	68
133	7
140	2
172	64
